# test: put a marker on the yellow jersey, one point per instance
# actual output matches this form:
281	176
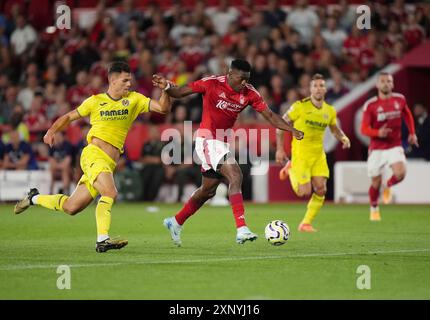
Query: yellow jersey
111	119
312	121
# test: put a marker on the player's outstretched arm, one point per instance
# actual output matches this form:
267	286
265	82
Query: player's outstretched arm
60	124
341	136
169	88
281	155
162	105
276	121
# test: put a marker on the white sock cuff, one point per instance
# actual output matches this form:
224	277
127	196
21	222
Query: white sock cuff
35	198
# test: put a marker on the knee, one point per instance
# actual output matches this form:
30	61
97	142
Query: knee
71	209
111	194
208	193
320	190
400	175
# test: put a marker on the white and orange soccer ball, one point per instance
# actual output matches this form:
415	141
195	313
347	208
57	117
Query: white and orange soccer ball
277	232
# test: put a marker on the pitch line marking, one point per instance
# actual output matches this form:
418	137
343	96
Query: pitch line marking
190	261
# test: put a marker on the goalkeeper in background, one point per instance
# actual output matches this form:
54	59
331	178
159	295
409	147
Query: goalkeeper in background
308	170
111	115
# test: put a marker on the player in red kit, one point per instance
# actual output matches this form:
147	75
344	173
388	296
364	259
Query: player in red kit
224	97
382	122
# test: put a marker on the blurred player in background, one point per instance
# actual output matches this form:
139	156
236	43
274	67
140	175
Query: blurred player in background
224	97
382	122
308	170
111	116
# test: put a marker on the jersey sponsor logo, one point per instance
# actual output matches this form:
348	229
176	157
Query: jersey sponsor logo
125	103
225	105
382	116
316	124
114	114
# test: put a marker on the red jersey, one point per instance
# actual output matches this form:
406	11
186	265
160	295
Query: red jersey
222	105
378	112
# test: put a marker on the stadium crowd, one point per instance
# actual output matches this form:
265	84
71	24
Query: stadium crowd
45	72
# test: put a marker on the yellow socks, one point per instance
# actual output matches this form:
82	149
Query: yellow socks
314	206
53	202
103	217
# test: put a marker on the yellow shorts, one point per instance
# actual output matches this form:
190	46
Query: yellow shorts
305	167
93	162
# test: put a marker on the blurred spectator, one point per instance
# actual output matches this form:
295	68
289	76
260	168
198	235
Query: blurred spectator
334	36
16	123
60	160
274	15
259	30
23	38
422	128
153	169
36	119
336	87
79	92
183	27
347	15
304	20
6	105
127	13
222	16
26	95
414	33
2	152
18	154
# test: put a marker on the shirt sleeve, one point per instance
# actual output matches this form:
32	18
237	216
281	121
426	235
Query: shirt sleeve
333	120
257	102
294	111
409	119
143	103
366	127
199	86
84	109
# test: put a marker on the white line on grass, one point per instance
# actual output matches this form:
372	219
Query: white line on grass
209	260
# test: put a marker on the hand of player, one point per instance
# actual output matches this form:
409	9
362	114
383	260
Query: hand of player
383	131
49	138
281	156
346	143
413	140
298	134
159	81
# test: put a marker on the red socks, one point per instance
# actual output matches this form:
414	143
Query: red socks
188	210
393	180
373	195
236	201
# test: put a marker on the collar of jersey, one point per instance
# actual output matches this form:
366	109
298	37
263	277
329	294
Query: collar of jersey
116	100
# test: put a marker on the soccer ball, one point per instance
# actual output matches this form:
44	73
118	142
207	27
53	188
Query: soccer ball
277	232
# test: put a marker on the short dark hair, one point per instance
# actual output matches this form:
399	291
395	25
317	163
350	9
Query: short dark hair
240	64
317	76
384	74
118	67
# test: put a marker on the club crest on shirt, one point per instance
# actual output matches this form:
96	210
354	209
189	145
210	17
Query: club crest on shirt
125	102
325	116
396	105
242	99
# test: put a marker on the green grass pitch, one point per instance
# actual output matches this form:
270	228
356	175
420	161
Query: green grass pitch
210	265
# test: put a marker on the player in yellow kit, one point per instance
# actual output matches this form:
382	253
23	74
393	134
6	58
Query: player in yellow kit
308	170
111	116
